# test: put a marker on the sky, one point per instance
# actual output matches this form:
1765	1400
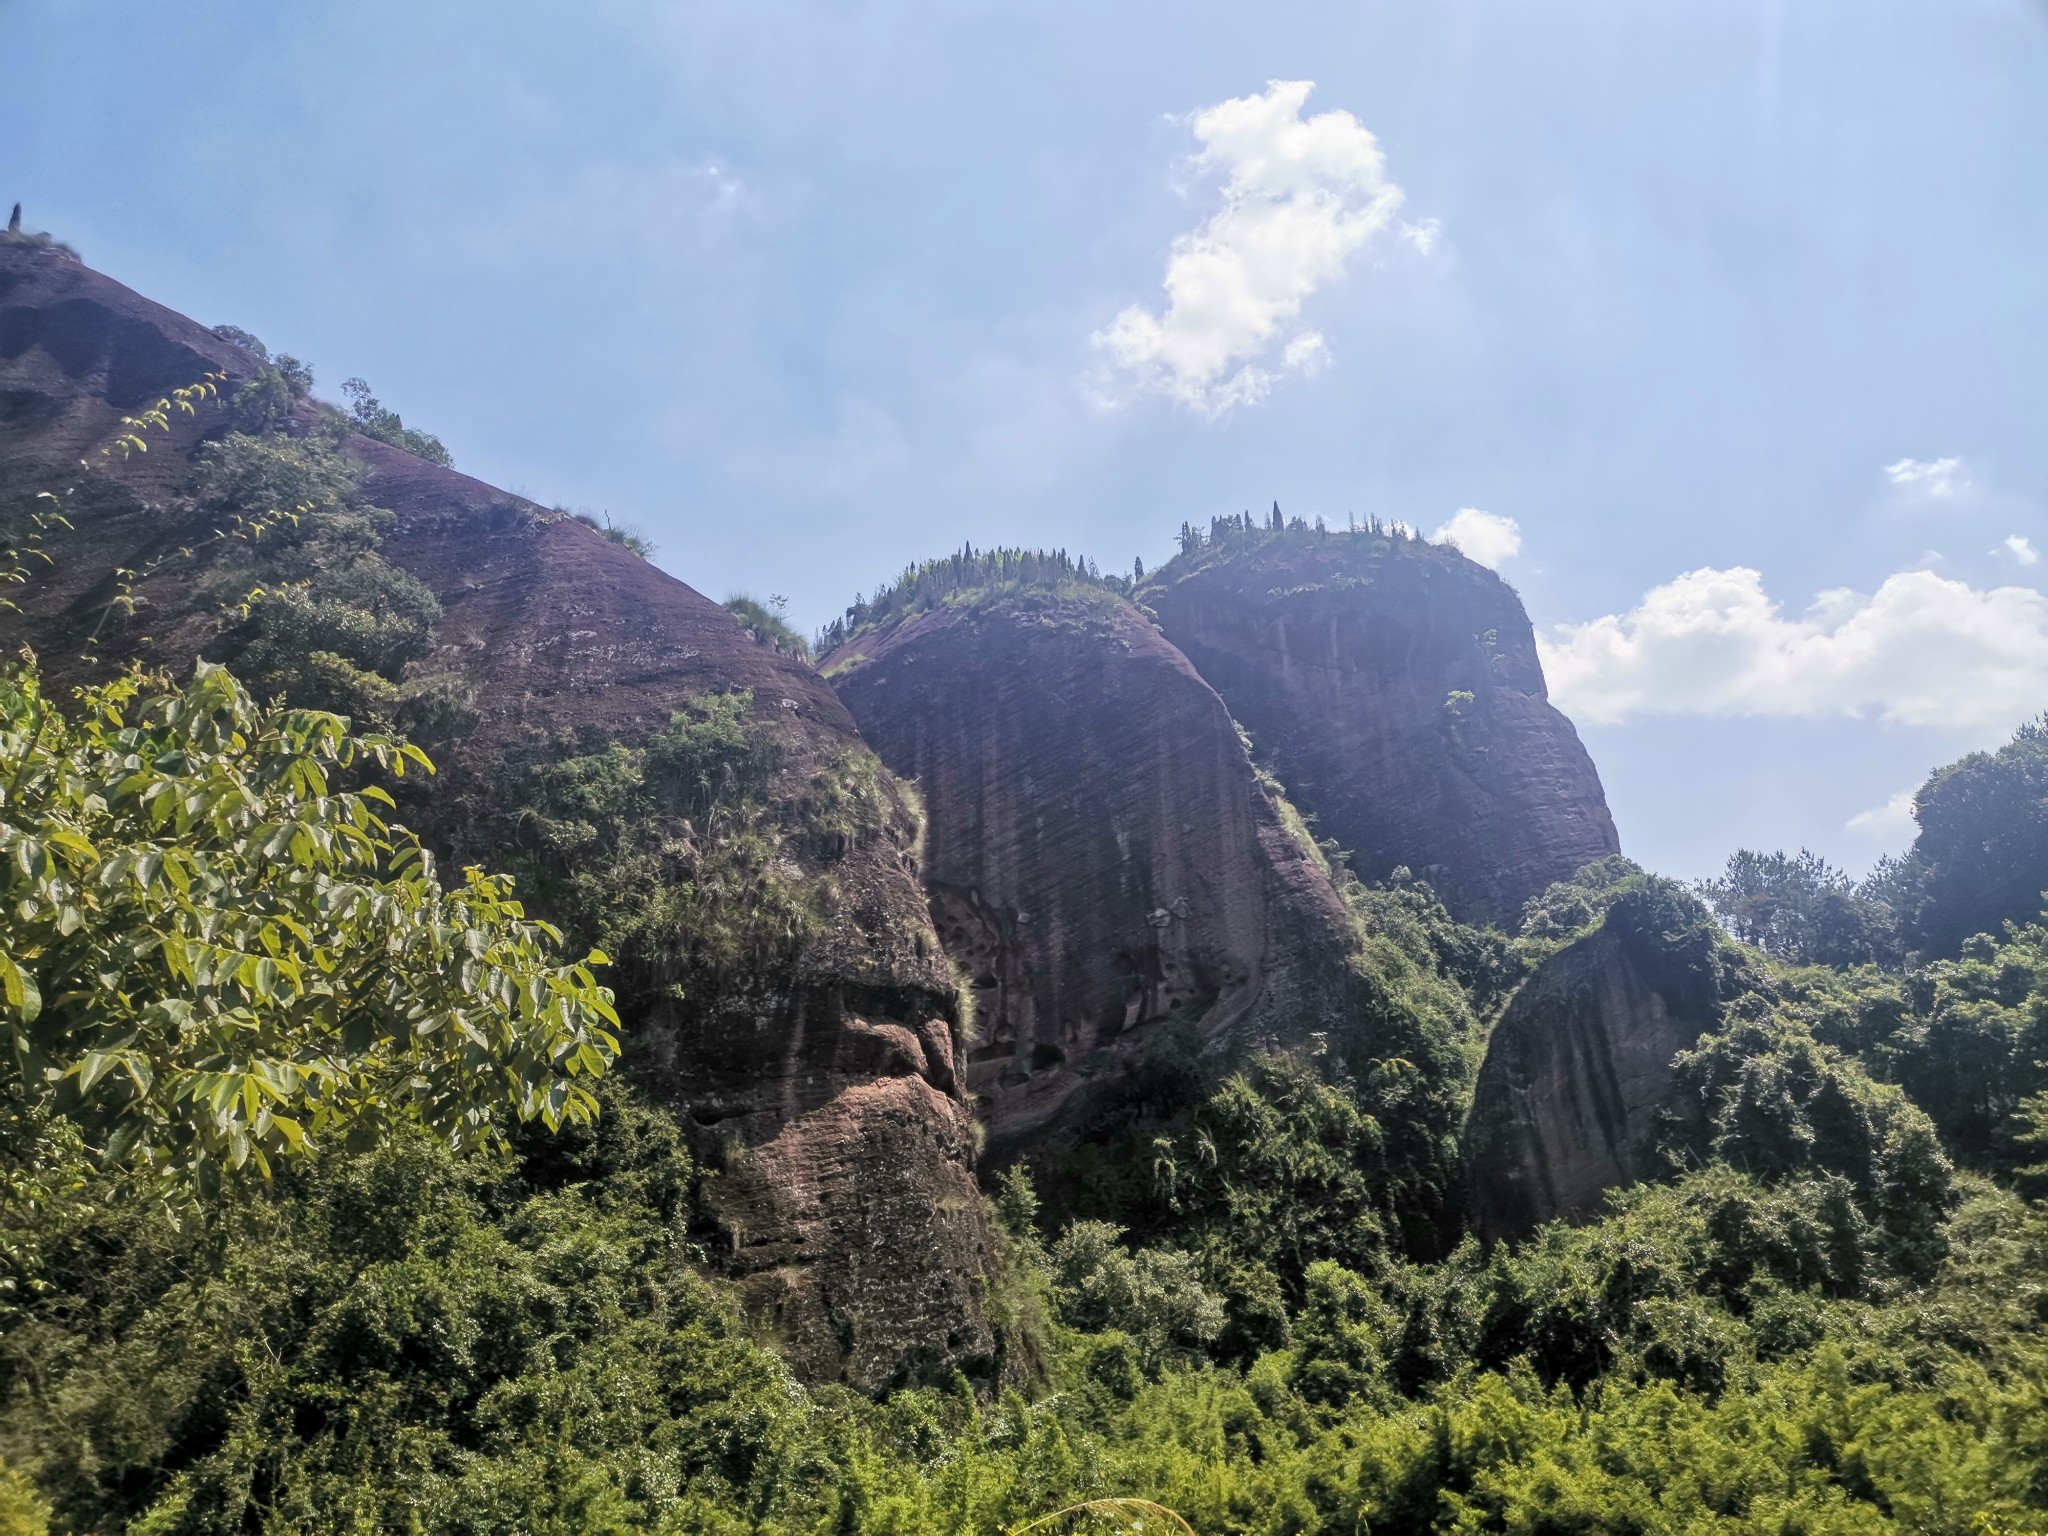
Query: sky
1719	327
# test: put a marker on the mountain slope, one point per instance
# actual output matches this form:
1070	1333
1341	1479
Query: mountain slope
818	1075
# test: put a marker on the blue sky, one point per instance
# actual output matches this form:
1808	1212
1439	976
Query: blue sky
1738	288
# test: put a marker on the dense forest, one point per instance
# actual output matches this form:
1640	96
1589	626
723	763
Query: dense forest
333	1196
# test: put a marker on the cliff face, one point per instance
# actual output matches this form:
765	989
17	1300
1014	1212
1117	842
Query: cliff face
1393	687
1574	1077
1100	855
1578	1075
826	1085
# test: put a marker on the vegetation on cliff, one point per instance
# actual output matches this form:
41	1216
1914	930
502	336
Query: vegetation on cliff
701	855
968	571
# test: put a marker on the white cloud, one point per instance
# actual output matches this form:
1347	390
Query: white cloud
1307	353
1300	196
1938	479
1423	234
1922	650
1482	536
1890	821
2019	549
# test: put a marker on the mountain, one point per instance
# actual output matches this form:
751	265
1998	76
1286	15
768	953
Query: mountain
1065	861
1102	858
821	1082
1393	687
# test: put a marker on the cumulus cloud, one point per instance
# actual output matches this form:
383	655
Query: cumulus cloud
1890	821
1937	479
2019	549
1922	650
1481	536
1300	196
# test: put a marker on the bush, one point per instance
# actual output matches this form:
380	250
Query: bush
1779	1104
768	623
622	534
317	614
398	1341
1154	1296
373	419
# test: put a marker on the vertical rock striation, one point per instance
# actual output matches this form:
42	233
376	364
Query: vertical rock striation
1101	857
1575	1075
1393	687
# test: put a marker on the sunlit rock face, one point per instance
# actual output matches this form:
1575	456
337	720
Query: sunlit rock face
1102	859
1393	687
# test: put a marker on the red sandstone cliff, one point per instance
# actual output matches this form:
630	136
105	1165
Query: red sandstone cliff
848	1202
1579	1086
1575	1076
1393	687
1100	857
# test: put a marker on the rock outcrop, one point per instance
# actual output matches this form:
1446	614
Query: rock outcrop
829	1091
1578	1088
1393	687
1101	856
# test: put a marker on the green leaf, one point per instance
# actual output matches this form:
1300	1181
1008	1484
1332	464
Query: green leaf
96	1065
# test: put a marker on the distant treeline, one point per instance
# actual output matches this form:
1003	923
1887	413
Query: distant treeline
925	584
929	583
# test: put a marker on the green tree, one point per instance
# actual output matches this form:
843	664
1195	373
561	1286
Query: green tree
1981	859
1155	1295
213	954
1801	908
1780	1105
1981	1047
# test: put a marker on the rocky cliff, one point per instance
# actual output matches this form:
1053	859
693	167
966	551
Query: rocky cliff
1101	856
1578	1088
1393	687
823	1079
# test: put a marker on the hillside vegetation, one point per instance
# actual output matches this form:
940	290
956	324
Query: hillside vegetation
1814	1324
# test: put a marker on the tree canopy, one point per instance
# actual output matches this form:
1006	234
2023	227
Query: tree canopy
1981	859
216	952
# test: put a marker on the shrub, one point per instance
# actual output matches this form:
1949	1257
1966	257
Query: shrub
622	534
769	624
373	419
1154	1296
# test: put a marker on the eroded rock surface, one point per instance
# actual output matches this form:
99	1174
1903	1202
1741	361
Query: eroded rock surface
1575	1074
1393	686
1578	1086
826	1089
1100	855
